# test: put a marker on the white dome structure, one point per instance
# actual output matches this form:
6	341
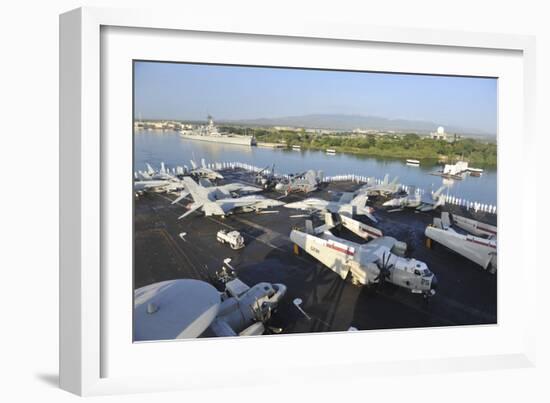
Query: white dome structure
440	134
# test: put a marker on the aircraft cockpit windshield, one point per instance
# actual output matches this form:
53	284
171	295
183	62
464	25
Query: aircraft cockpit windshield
421	270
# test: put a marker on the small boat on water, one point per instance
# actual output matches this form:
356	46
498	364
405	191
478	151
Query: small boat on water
331	151
456	171
296	147
475	171
412	162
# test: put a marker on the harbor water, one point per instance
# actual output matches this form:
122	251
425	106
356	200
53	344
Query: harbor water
154	147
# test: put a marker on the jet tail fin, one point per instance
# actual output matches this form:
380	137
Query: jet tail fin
311	177
445	220
438	192
309	227
205	182
329	220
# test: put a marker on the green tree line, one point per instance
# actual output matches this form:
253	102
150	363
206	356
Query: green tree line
409	145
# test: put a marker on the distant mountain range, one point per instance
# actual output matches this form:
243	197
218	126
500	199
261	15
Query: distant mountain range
350	122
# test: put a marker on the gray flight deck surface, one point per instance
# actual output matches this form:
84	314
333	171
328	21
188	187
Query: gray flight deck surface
466	294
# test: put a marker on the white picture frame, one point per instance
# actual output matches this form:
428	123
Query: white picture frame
83	160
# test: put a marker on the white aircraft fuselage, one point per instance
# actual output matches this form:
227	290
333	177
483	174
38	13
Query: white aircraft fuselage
367	263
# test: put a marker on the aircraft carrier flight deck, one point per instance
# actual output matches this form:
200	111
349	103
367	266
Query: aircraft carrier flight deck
466	294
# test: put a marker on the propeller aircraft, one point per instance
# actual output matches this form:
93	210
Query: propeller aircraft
381	260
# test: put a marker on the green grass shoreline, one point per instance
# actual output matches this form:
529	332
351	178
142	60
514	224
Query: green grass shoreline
398	146
397	155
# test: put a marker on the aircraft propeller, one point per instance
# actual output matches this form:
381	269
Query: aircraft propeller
384	273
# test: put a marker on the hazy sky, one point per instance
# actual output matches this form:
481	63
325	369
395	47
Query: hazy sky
190	91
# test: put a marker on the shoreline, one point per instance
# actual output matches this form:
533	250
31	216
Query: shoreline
439	160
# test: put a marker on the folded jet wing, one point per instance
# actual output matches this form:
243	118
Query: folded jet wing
357	227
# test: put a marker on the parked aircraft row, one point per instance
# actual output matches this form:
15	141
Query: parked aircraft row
305	182
210	198
419	201
163	180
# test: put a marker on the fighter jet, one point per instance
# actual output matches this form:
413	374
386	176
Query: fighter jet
347	204
186	308
212	201
385	188
203	171
378	261
150	185
305	182
266	177
156	181
153	174
416	201
221	191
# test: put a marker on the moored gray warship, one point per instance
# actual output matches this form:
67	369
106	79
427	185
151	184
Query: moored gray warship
210	132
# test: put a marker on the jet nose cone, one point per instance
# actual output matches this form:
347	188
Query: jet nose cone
434	283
